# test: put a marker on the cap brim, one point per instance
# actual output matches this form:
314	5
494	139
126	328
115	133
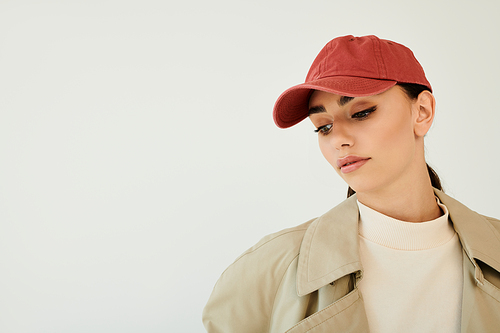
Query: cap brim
293	105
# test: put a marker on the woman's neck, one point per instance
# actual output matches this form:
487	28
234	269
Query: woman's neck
415	203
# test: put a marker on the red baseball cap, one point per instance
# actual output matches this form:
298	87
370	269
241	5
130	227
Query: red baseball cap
350	66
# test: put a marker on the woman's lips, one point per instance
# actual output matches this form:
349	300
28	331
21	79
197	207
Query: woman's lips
351	163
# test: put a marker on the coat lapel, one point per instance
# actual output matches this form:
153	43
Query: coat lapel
479	238
330	252
480	241
329	248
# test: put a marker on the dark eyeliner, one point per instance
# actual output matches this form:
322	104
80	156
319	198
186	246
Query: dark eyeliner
320	129
367	112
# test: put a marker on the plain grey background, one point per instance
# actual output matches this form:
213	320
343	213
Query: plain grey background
139	158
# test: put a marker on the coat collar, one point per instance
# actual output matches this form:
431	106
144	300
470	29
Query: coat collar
330	247
480	240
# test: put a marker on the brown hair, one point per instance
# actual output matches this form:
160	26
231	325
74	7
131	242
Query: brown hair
412	91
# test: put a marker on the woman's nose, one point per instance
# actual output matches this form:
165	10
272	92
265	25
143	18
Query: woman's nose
341	137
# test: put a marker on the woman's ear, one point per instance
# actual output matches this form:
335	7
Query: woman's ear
424	108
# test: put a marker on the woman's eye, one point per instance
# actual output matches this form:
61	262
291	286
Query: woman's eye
363	114
324	129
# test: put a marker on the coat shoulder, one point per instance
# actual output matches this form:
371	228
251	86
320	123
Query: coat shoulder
494	222
243	297
285	242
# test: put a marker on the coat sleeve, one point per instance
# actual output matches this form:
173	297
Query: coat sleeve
243	297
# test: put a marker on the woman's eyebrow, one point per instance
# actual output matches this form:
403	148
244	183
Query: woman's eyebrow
317	109
344	100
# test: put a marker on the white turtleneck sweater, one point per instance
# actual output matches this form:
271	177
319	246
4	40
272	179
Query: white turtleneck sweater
412	273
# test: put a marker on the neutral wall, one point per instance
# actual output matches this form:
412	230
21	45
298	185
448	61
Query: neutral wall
138	156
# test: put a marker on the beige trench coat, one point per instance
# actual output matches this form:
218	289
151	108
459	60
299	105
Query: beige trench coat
304	279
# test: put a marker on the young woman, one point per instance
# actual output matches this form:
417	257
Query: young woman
398	255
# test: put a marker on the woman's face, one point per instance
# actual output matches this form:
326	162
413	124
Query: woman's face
370	141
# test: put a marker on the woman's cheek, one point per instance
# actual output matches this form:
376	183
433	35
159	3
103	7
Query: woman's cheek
328	152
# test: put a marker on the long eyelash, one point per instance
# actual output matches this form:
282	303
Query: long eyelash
367	112
319	130
359	116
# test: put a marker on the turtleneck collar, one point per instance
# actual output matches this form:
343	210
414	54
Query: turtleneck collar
401	235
